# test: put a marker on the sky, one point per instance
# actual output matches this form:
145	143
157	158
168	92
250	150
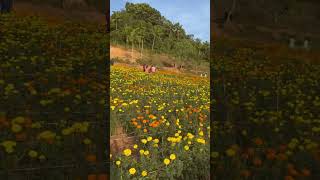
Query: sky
193	15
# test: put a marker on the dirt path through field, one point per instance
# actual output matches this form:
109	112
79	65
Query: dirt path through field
117	52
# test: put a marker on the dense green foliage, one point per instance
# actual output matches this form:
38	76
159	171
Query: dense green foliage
141	26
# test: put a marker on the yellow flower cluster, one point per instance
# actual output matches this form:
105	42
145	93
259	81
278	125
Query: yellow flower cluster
76	128
9	146
46	135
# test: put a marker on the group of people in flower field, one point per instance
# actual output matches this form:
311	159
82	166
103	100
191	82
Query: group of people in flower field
149	69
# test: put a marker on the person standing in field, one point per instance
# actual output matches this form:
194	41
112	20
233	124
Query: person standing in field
153	69
144	68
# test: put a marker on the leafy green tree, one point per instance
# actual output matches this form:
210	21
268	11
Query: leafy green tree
143	27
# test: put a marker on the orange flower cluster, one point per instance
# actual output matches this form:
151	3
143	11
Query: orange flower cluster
141	122
3	122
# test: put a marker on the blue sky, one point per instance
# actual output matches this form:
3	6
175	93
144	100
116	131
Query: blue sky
193	15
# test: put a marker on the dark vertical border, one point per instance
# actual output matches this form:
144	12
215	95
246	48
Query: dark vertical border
211	86
108	87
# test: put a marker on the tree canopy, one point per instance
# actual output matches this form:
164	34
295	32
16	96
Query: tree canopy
141	26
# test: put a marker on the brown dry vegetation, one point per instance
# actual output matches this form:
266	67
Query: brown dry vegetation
55	15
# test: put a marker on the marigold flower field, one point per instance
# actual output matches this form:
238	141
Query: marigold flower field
168	114
265	117
52	99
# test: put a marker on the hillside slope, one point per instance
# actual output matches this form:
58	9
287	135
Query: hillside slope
121	54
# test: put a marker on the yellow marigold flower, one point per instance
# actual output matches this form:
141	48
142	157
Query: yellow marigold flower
110	156
189	142
144	141
178	139
166	161
127	152
16	128
186	148
33	154
230	152
18	120
132	171
9	144
200	140
36	125
155	145
67	131
172	156
201	133
135	146
156	141
87	141
144	173
141	151
146	153
118	163
176	134
190	136
167	124
42	157
149	138
47	135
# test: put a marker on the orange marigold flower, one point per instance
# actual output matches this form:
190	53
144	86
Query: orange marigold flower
91	158
245	173
257	162
282	157
271	154
258	141
306	172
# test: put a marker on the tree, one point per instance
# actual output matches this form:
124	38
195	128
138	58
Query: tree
141	26
132	38
116	18
156	33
